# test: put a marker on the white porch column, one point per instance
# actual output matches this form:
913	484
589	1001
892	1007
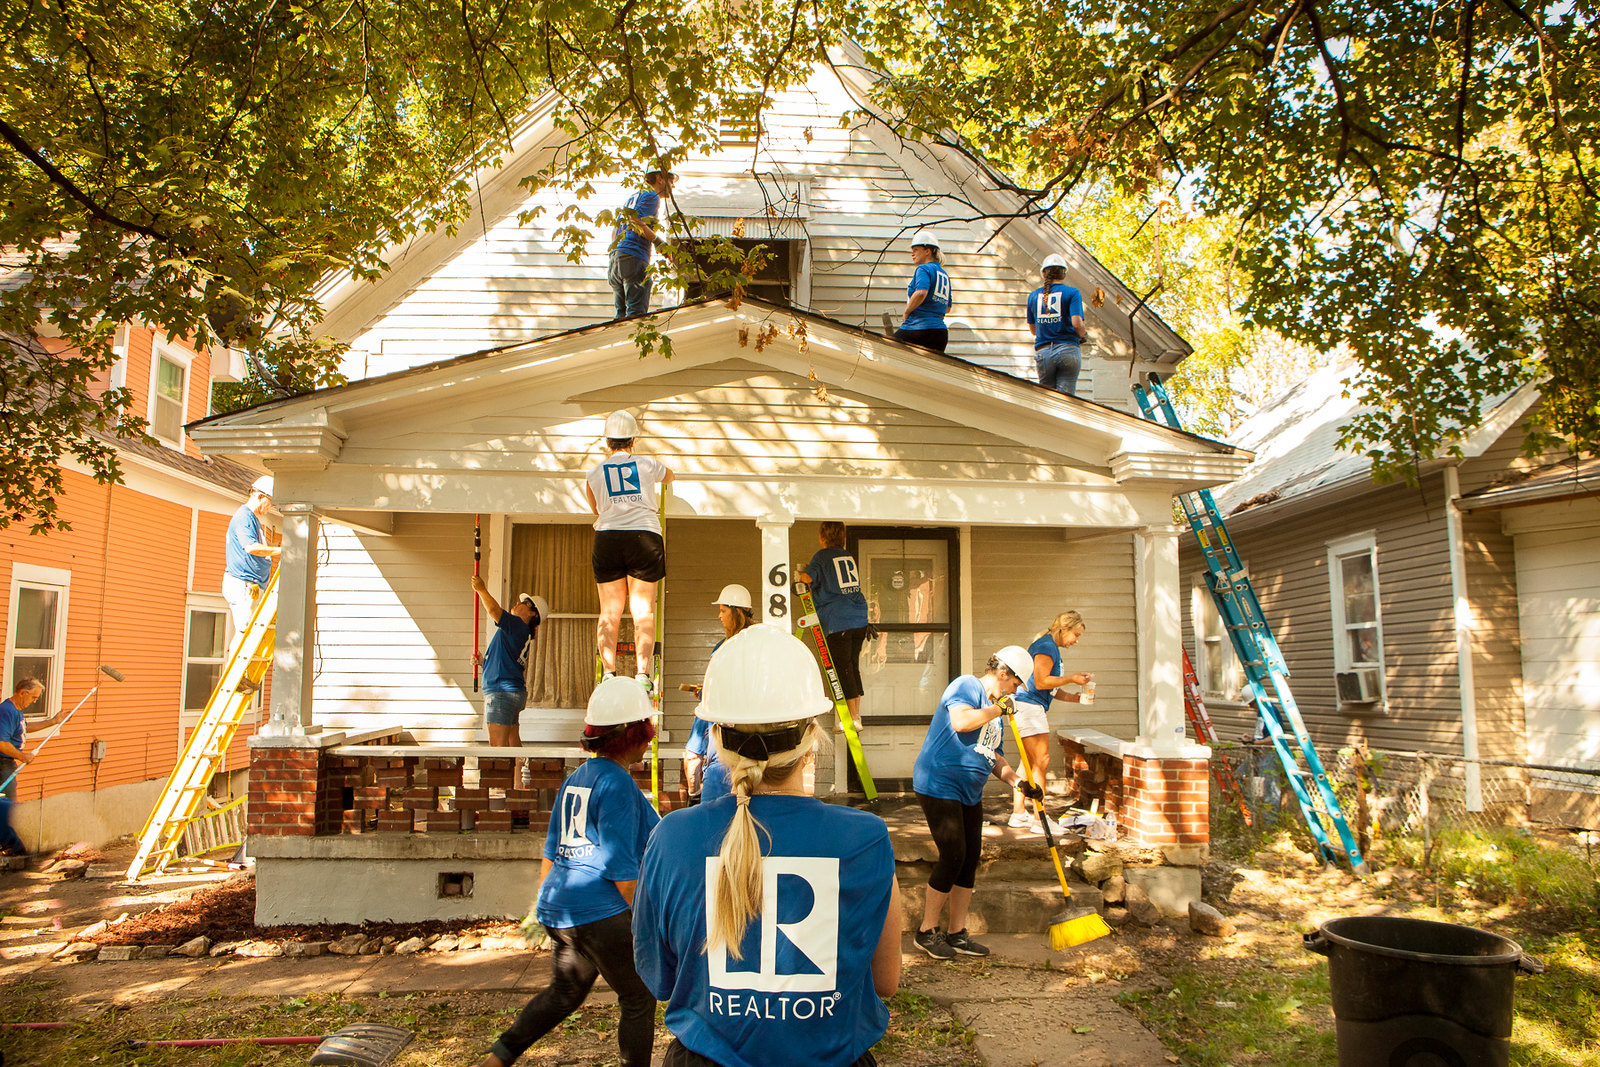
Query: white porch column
1160	642
293	648
772	600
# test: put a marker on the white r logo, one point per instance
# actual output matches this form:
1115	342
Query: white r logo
575	815
815	935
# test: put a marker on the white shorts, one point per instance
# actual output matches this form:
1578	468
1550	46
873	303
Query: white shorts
1031	719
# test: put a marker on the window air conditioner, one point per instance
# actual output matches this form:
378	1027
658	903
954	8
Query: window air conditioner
1359	686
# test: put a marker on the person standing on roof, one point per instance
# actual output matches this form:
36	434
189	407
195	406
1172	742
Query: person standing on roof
1055	315
964	747
629	555
767	920
248	556
928	296
631	242
600	825
834	578
505	662
703	775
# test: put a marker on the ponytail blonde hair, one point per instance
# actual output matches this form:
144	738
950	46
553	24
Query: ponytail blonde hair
737	896
1067	620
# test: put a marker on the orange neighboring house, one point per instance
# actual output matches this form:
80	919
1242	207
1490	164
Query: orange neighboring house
135	584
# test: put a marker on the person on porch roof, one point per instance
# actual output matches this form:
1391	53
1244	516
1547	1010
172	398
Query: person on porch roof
629	555
632	240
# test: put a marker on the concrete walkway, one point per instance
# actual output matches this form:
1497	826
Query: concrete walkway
1022	1012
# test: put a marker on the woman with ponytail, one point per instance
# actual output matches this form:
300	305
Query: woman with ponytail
597	836
704	777
767	920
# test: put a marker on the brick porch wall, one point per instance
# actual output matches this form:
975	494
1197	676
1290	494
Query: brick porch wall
1156	801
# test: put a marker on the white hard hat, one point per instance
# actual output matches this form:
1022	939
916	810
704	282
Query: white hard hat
617	700
1053	260
540	604
925	237
262	485
620	426
762	675
735	596
1017	661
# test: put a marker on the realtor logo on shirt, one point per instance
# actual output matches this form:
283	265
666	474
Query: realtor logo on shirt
622	479
847	573
575	818
799	914
941	287
1050	308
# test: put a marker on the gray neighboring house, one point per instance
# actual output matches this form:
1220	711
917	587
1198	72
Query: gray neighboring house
1459	615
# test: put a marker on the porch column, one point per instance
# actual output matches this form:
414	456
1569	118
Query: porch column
1160	641
772	597
293	647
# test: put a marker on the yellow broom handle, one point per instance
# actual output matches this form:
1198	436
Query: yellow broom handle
1038	805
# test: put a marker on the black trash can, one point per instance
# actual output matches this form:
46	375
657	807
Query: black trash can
1414	993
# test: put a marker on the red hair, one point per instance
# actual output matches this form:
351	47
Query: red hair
612	741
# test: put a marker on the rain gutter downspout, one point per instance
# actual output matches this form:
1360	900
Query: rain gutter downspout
1463	623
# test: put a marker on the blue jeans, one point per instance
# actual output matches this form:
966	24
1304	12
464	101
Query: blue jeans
505	709
629	277
1058	367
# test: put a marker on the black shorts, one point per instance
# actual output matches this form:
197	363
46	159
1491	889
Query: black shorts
844	648
622	554
934	339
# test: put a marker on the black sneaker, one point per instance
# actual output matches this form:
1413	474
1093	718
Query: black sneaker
960	942
933	943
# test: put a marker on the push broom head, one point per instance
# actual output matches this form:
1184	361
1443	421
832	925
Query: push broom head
1076	926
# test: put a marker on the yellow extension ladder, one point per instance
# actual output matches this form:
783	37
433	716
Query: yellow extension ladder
162	839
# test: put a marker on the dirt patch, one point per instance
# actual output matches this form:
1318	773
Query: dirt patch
227	913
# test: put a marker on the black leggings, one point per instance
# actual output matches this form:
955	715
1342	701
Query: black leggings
680	1055
582	953
958	835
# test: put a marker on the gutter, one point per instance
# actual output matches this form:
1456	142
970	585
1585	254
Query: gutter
1463	623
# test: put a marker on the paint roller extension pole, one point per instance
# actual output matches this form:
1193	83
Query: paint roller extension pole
110	672
477	557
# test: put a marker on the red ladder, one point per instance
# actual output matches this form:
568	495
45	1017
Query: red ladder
1221	767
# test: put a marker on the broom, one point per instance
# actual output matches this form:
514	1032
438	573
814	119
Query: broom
1073	926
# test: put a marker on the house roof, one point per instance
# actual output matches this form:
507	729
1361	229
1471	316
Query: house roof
1295	438
592	366
1571	478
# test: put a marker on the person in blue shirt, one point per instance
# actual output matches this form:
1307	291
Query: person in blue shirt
963	748
248	556
505	670
1055	315
767	920
12	734
703	776
599	826
928	296
1033	701
835	580
632	239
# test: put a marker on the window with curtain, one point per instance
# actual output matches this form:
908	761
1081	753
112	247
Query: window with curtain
37	634
553	562
167	399
1357	619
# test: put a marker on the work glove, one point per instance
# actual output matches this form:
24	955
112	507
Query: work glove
1029	790
1006	705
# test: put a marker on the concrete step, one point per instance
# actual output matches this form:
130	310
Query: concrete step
1007	907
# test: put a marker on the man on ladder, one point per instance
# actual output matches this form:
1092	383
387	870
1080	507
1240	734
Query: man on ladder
248	556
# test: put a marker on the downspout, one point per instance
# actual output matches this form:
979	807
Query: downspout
1463	619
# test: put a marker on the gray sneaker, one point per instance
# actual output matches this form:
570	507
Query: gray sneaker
933	943
645	684
960	942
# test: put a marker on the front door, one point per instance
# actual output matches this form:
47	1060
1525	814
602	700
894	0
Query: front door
910	582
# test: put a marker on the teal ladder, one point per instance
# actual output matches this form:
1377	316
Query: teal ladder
1266	672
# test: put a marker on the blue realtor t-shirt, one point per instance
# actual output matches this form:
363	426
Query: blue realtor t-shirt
244	530
802	992
952	765
502	662
1043	645
643	204
836	590
928	315
1050	313
714	779
598	831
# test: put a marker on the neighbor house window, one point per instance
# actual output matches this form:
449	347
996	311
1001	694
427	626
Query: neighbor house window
169	391
1216	663
1357	618
37	632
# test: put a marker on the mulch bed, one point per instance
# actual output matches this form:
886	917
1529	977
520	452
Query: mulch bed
227	913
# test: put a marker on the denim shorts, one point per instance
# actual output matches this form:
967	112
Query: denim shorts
505	709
